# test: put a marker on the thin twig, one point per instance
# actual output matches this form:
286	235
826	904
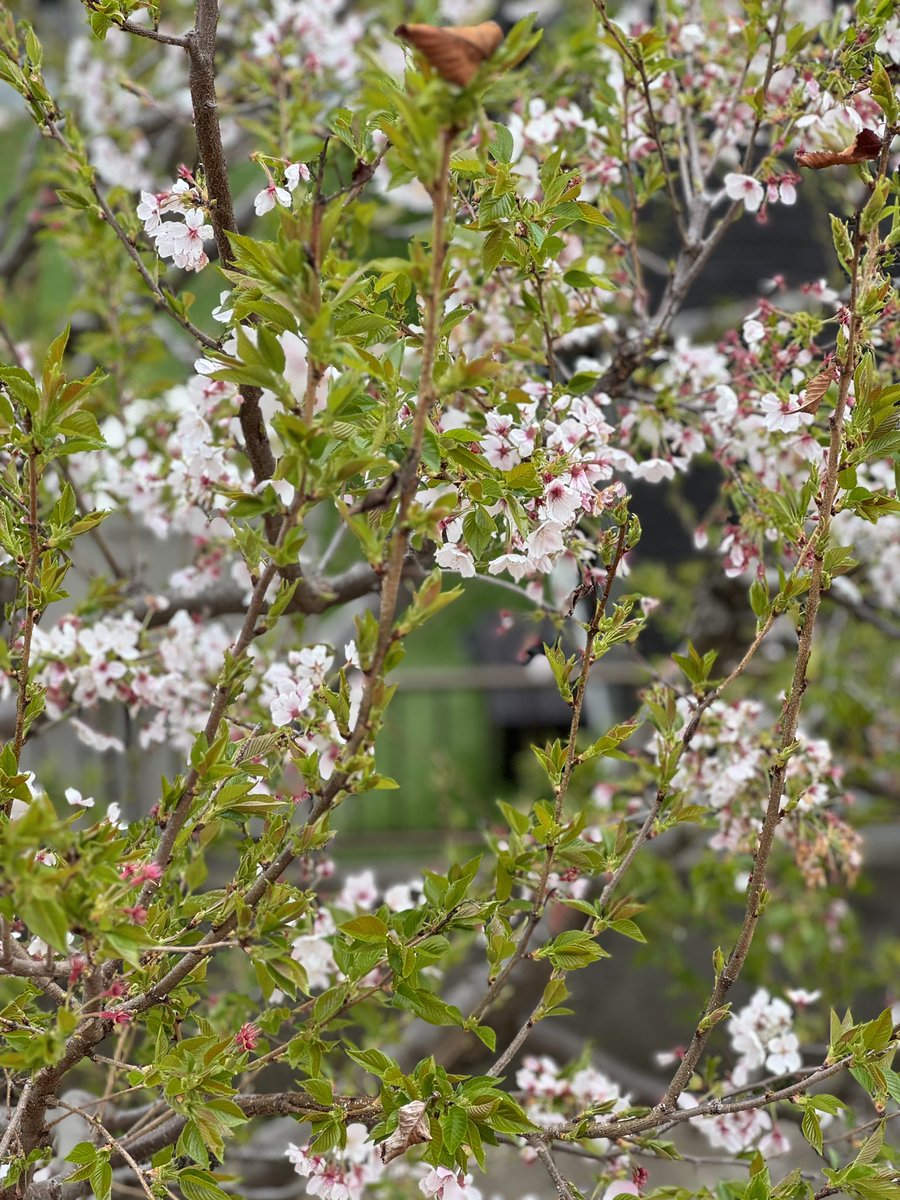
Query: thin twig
112	1141
790	717
662	1121
221	698
545	326
563	1191
23	668
540	891
168	39
653	125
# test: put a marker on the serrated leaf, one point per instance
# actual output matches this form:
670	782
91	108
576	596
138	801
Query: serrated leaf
197	1184
453	1127
365	928
811	1128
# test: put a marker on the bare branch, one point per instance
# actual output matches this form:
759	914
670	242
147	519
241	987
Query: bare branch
168	39
563	1190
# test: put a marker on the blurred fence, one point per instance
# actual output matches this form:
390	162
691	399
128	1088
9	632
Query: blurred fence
457	738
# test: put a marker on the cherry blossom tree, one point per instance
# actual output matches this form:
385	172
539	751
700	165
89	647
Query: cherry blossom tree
437	334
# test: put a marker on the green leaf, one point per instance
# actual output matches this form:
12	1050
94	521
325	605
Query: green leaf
128	942
320	1090
486	1035
197	1184
46	918
82	1153
427	1005
811	1128
517	821
374	1061
453	1127
604	746
365	928
501	147
572	950
478	530
101	1178
190	1144
883	91
493	249
628	929
585	212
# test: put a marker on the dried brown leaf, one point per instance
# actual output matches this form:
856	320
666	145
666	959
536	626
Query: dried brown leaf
412	1129
455	53
817	387
866	145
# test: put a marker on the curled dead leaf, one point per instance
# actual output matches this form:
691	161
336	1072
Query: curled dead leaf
866	146
455	53
412	1129
817	387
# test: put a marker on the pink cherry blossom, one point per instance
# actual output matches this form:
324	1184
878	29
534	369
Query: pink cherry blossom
746	189
293	173
266	199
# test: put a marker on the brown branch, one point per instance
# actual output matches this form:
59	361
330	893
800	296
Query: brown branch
111	1141
407	479
31	608
94	1029
696	249
201	48
540	892
168	39
316	597
563	1190
222	696
15	962
790	717
315	369
653	125
298	1105
657	1120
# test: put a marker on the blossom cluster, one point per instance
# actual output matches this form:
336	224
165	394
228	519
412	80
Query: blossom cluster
346	1174
275	193
762	1038
166	683
739	1131
343	1176
182	238
317	37
577	455
551	1093
726	768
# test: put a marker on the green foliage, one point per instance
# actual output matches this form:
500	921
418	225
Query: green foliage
392	401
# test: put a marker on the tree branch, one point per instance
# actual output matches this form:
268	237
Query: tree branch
790	716
201	48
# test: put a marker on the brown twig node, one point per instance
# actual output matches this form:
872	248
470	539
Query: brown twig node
456	54
865	146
